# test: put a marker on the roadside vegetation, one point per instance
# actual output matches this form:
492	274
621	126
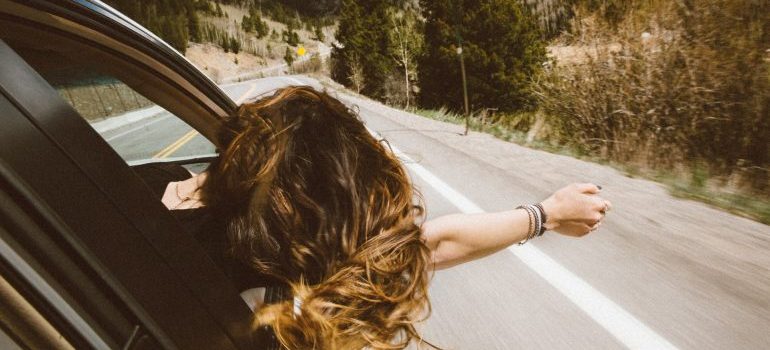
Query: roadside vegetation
253	33
696	184
678	92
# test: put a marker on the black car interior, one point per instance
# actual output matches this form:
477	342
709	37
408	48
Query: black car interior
84	221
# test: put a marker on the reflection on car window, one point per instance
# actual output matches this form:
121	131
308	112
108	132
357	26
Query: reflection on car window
131	123
100	97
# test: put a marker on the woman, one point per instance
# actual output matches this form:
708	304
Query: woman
312	205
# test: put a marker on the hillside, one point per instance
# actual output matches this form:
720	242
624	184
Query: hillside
213	35
255	53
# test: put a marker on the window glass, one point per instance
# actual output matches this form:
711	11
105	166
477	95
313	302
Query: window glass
138	129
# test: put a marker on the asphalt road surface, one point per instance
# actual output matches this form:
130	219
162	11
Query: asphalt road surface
661	272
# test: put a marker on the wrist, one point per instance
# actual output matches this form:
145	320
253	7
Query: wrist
551	213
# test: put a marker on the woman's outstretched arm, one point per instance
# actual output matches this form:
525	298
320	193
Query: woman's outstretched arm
574	210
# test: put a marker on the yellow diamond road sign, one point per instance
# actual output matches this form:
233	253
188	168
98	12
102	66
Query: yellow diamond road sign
301	51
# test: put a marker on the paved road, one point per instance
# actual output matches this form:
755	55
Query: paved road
660	273
323	52
162	135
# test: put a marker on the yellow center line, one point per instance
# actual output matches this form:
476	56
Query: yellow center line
176	145
170	149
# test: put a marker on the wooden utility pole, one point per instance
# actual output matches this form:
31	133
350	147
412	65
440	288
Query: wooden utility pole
459	15
465	89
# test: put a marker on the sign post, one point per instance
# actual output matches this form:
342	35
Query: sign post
465	88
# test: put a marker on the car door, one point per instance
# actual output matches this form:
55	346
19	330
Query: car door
85	242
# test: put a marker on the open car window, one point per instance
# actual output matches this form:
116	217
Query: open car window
137	128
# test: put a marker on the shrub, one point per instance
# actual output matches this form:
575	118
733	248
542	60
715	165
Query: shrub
288	57
694	88
291	37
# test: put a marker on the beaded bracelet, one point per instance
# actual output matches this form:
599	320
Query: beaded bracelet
536	215
537	219
532	220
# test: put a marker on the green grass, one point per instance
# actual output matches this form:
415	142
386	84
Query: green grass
740	204
688	186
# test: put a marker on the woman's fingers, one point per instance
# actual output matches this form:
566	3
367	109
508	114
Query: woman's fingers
578	203
586	229
588	188
591	209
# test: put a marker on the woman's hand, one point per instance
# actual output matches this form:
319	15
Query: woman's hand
575	210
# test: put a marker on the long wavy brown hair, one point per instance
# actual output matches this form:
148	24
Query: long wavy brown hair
313	200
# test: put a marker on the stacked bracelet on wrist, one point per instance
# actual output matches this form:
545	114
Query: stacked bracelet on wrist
537	221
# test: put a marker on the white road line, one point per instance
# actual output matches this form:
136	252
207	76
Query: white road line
246	94
456	198
296	81
620	323
137	128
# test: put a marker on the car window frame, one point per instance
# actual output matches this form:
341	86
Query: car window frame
58	122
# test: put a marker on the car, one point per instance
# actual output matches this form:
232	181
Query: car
89	258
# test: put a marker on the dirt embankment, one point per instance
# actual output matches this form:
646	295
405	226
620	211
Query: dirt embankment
256	53
219	65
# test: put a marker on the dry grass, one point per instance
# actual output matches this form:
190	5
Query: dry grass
696	184
689	89
316	64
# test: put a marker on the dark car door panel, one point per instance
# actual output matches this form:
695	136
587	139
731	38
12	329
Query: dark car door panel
130	249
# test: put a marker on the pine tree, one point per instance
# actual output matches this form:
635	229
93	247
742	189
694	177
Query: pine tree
350	38
288	56
364	39
235	45
246	24
261	27
319	33
377	62
502	49
167	19
315	7
290	36
194	25
224	42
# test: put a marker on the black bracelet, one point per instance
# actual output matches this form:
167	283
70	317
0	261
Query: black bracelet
544	217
